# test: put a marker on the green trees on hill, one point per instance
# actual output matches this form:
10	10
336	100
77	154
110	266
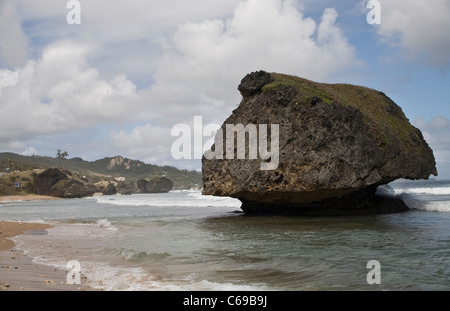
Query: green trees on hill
101	169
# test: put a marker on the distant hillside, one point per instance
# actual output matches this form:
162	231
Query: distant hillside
117	166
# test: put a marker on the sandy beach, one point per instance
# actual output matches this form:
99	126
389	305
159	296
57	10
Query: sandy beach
19	273
28	197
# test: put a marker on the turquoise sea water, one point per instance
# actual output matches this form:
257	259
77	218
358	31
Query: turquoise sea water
185	241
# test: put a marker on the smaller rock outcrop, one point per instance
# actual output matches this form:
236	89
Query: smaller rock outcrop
252	84
159	185
110	189
126	188
155	185
64	184
71	188
106	188
47	179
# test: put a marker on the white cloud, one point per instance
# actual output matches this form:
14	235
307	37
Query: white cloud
204	62
419	27
435	131
118	19
128	30
146	139
149	143
196	53
29	151
58	93
13	42
269	34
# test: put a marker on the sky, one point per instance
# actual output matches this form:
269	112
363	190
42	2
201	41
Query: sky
117	82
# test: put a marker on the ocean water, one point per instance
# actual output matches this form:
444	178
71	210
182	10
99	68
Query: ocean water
185	241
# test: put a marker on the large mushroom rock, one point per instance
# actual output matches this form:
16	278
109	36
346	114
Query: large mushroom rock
333	145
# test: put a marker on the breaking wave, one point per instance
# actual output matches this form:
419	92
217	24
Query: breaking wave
430	191
181	199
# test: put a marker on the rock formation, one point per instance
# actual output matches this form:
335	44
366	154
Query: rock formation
106	188
337	143
60	183
63	184
159	185
155	185
119	161
47	179
110	190
71	188
126	188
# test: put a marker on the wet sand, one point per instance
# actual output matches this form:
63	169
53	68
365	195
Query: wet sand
19	273
28	197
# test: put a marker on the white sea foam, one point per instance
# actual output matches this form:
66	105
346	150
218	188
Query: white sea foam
430	206
191	199
437	206
137	279
61	240
104	223
431	191
84	242
118	251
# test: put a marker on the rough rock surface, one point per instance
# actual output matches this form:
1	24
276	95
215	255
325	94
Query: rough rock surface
61	183
110	190
126	188
106	188
71	188
155	185
159	185
337	144
47	179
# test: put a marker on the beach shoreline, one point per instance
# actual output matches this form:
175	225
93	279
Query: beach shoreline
26	197
18	272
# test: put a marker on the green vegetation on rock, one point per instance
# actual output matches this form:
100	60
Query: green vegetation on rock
379	111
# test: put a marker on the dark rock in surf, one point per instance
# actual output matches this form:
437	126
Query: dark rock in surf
159	185
155	185
71	188
109	189
337	144
126	188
